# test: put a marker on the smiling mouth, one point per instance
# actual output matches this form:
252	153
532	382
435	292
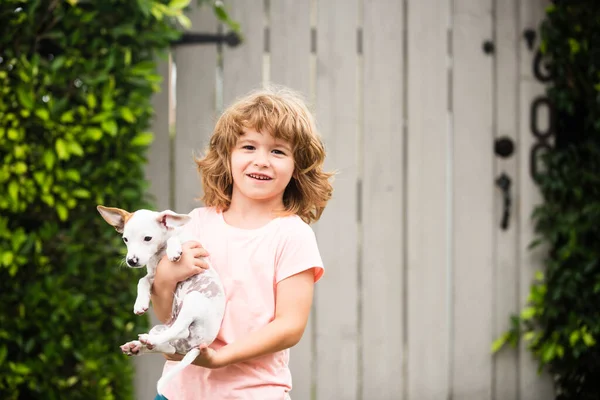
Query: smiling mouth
259	177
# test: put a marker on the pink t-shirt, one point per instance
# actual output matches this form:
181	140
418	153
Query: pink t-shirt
250	264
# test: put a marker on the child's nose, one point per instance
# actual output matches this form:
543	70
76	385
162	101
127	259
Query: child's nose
261	160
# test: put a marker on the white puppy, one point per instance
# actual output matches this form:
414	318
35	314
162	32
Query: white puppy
199	302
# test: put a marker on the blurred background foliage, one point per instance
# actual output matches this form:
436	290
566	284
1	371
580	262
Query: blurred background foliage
561	323
76	80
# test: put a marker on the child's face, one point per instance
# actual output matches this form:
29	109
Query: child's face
262	167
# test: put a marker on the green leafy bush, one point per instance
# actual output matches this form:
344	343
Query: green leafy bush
562	320
76	79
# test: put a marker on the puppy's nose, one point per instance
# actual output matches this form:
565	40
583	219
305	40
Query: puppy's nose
133	261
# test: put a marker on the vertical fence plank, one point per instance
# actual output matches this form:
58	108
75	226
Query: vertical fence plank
473	214
532	385
506	277
243	65
195	108
427	200
290	62
336	322
290	44
383	189
148	368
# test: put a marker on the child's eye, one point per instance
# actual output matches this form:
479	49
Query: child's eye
248	147
147	238
125	239
279	152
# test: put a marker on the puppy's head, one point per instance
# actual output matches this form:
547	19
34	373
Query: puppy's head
144	232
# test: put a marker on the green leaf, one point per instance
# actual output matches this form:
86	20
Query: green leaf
62	212
73	175
71	381
103	116
143	139
67	117
75	148
539	275
7	258
13	134
91	100
94	133
574	46
49	159
110	127
61	149
57	63
13	190
528	313
20	168
500	342
549	353
25	97
588	339
127	57
48	199
185	22
42	114
127	115
20	369
81	193
528	336
3	353
144	6
179	4
143	68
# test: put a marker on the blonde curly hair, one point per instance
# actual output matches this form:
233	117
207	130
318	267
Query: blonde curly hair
284	114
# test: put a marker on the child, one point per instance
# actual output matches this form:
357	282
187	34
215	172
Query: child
263	183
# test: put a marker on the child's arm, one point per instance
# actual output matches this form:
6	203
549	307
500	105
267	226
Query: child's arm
292	308
168	274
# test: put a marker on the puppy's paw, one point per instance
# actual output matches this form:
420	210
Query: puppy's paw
141	305
132	348
174	255
145	340
140	309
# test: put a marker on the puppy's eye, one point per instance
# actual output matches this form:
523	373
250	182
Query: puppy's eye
147	238
125	239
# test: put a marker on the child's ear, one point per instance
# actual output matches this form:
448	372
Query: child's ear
170	219
114	216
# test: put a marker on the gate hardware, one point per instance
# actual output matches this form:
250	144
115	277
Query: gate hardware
504	147
232	39
539	64
504	182
529	36
488	47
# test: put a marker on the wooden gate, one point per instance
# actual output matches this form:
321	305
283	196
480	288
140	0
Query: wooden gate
420	278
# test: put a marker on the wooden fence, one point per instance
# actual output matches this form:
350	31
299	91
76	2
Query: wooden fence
420	278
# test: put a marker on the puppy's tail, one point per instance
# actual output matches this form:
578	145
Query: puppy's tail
187	360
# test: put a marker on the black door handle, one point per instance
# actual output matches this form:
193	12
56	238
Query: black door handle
504	182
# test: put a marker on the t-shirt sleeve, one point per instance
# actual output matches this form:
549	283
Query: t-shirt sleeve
299	252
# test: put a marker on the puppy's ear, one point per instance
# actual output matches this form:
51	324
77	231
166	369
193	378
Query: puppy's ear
114	216
170	219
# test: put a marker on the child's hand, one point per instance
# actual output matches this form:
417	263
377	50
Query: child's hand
208	358
191	263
